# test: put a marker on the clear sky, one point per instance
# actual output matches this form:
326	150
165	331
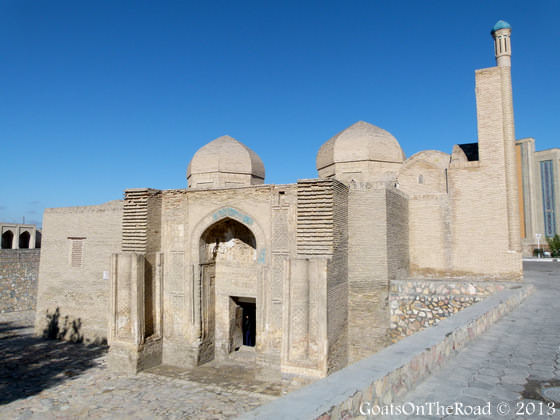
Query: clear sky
100	96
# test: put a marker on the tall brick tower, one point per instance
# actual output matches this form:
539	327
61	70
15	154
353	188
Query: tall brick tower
501	32
484	190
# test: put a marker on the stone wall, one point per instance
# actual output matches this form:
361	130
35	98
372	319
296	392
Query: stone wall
19	270
379	379
418	304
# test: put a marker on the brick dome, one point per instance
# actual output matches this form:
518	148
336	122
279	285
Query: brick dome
225	162
361	141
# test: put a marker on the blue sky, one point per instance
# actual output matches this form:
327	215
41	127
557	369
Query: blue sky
100	96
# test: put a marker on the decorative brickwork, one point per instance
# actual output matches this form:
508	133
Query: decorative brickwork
135	220
310	264
315	217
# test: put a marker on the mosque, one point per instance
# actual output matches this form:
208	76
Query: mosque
294	276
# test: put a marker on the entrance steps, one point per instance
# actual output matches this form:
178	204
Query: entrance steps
245	354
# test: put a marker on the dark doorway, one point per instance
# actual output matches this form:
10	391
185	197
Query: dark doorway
24	240
249	323
7	238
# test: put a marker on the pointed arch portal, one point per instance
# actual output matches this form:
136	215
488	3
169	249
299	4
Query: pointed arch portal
228	266
24	240
7	239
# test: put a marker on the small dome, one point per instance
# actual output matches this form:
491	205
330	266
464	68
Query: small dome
225	162
501	24
360	142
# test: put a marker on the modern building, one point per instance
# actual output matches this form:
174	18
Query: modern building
539	183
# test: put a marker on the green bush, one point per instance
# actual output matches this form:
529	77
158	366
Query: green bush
554	245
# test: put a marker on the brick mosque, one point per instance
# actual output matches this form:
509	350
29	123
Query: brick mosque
290	276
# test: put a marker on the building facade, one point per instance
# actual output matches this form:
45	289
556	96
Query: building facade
20	236
294	276
540	186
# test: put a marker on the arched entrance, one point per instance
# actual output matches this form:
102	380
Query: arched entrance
228	267
7	239
24	239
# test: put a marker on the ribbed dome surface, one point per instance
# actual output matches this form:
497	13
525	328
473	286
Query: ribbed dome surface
226	155
360	142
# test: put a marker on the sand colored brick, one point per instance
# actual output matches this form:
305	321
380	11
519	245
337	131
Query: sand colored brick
297	276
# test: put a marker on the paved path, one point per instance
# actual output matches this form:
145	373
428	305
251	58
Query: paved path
41	379
46	379
508	363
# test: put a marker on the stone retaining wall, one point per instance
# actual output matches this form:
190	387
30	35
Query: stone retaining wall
395	370
418	304
19	270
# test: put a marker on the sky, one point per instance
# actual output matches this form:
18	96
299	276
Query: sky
100	96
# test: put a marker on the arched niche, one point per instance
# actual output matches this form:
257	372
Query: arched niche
24	239
228	255
7	239
228	213
228	241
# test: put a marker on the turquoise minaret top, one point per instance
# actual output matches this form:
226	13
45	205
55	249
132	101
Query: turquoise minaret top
501	24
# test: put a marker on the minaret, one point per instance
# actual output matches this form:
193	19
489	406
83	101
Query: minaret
501	32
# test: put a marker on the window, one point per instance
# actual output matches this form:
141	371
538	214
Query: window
547	181
76	257
420	179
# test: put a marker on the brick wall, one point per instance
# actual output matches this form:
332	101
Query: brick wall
322	239
185	216
73	293
484	205
18	279
337	282
368	281
430	235
397	234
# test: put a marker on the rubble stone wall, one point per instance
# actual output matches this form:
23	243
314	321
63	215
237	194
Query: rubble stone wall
19	270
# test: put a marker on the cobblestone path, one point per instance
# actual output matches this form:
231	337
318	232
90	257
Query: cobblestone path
45	379
509	363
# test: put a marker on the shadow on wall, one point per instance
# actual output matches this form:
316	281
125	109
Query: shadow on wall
31	364
69	331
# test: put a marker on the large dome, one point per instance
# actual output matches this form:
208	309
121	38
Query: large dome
225	162
360	142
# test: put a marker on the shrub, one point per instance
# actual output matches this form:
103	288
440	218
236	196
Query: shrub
554	245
